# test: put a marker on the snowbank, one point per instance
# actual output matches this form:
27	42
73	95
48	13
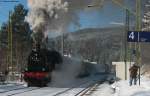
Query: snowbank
122	88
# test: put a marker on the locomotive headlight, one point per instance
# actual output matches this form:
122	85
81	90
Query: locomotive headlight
43	69
26	69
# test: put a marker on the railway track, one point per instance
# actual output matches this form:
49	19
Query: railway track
11	88
88	91
83	89
9	85
82	92
27	89
16	89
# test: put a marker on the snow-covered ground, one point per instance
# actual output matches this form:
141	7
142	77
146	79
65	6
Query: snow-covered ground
122	88
65	83
119	88
65	89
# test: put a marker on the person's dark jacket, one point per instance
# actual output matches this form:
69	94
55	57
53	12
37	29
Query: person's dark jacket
133	71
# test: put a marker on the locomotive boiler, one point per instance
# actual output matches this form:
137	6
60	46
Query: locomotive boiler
41	63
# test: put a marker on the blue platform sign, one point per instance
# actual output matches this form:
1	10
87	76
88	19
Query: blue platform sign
132	36
142	36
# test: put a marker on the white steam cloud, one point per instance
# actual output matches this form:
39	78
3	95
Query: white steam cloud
55	15
46	15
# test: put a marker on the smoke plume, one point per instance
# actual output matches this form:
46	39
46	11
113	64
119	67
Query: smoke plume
46	15
55	15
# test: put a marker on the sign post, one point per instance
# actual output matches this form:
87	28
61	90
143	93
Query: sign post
138	36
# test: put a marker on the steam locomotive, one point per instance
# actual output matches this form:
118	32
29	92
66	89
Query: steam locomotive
41	63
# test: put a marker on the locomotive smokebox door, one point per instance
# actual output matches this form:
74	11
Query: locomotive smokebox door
36	46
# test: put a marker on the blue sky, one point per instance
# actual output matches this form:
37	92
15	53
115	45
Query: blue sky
88	19
5	7
100	18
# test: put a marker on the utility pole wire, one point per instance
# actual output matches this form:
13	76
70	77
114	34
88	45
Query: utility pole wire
124	7
9	1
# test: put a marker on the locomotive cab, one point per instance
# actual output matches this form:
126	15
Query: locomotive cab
41	62
37	72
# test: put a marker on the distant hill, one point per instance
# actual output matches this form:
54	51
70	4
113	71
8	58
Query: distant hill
115	35
104	44
89	33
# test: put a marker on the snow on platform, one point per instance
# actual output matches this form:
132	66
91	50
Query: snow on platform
122	88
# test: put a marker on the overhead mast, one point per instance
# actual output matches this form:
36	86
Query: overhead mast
10	37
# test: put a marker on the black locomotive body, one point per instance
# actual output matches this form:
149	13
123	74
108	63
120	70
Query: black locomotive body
41	62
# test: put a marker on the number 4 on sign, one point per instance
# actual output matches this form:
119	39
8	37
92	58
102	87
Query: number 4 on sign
131	36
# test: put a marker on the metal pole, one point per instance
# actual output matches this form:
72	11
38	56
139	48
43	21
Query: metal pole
126	30
62	44
10	53
9	43
138	28
0	38
8	48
